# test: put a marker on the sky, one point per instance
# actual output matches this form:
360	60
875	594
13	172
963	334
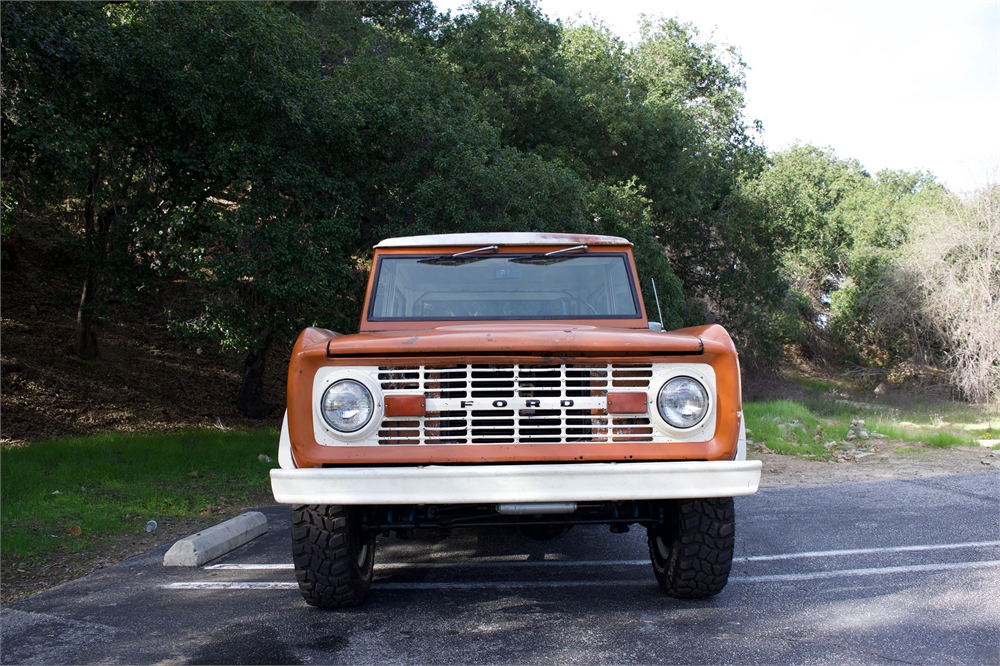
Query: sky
911	85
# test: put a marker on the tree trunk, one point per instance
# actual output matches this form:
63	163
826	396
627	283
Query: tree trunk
251	400
86	338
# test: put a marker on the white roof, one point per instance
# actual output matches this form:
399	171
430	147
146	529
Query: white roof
501	238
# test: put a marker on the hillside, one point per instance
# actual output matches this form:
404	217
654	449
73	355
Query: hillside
143	380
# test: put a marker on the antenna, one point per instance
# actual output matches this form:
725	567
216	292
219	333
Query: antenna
657	297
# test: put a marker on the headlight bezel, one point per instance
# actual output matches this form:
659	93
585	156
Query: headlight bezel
706	398
702	372
326	433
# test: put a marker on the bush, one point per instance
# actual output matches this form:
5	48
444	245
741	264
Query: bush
953	264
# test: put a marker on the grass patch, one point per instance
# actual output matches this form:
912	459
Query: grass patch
115	482
787	426
802	428
945	440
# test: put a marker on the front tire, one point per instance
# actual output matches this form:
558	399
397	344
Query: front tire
334	559
692	552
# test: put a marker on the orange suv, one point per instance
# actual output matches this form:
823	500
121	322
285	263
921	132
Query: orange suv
511	379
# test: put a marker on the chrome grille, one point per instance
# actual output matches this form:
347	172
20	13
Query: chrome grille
508	404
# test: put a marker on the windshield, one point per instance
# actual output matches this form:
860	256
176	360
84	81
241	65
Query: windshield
503	286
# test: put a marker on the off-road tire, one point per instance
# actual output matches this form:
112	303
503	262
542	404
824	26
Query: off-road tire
692	552
334	559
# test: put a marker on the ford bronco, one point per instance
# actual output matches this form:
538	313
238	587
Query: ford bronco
510	379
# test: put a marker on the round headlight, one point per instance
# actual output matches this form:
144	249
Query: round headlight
347	405
683	402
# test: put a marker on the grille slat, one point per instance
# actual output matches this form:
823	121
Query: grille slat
500	409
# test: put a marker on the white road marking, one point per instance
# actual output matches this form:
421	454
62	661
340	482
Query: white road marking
867	551
492	562
231	585
485	585
250	567
840	573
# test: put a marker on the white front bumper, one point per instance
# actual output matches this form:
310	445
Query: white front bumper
488	484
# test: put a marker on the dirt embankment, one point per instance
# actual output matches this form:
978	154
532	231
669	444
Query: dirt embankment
144	380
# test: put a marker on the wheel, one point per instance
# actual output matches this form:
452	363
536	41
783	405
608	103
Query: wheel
334	559
692	552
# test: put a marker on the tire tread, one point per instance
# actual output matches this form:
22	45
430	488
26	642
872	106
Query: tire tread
700	537
325	566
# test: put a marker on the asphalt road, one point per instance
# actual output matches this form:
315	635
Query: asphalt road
901	571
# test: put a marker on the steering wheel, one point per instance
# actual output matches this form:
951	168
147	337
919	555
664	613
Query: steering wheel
579	301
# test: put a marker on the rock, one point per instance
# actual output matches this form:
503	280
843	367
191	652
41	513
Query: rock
776	419
859	456
878	435
829	445
861	424
881	389
863	434
851	436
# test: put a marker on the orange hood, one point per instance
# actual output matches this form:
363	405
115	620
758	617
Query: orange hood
545	339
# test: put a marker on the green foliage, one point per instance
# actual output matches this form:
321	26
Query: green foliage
803	427
623	211
114	483
837	232
706	80
509	57
64	136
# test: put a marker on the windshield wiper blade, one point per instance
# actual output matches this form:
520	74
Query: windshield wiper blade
550	257
460	257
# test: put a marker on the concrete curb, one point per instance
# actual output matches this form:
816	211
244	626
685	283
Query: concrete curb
216	541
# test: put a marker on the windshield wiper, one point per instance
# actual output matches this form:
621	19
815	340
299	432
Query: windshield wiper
549	257
460	257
